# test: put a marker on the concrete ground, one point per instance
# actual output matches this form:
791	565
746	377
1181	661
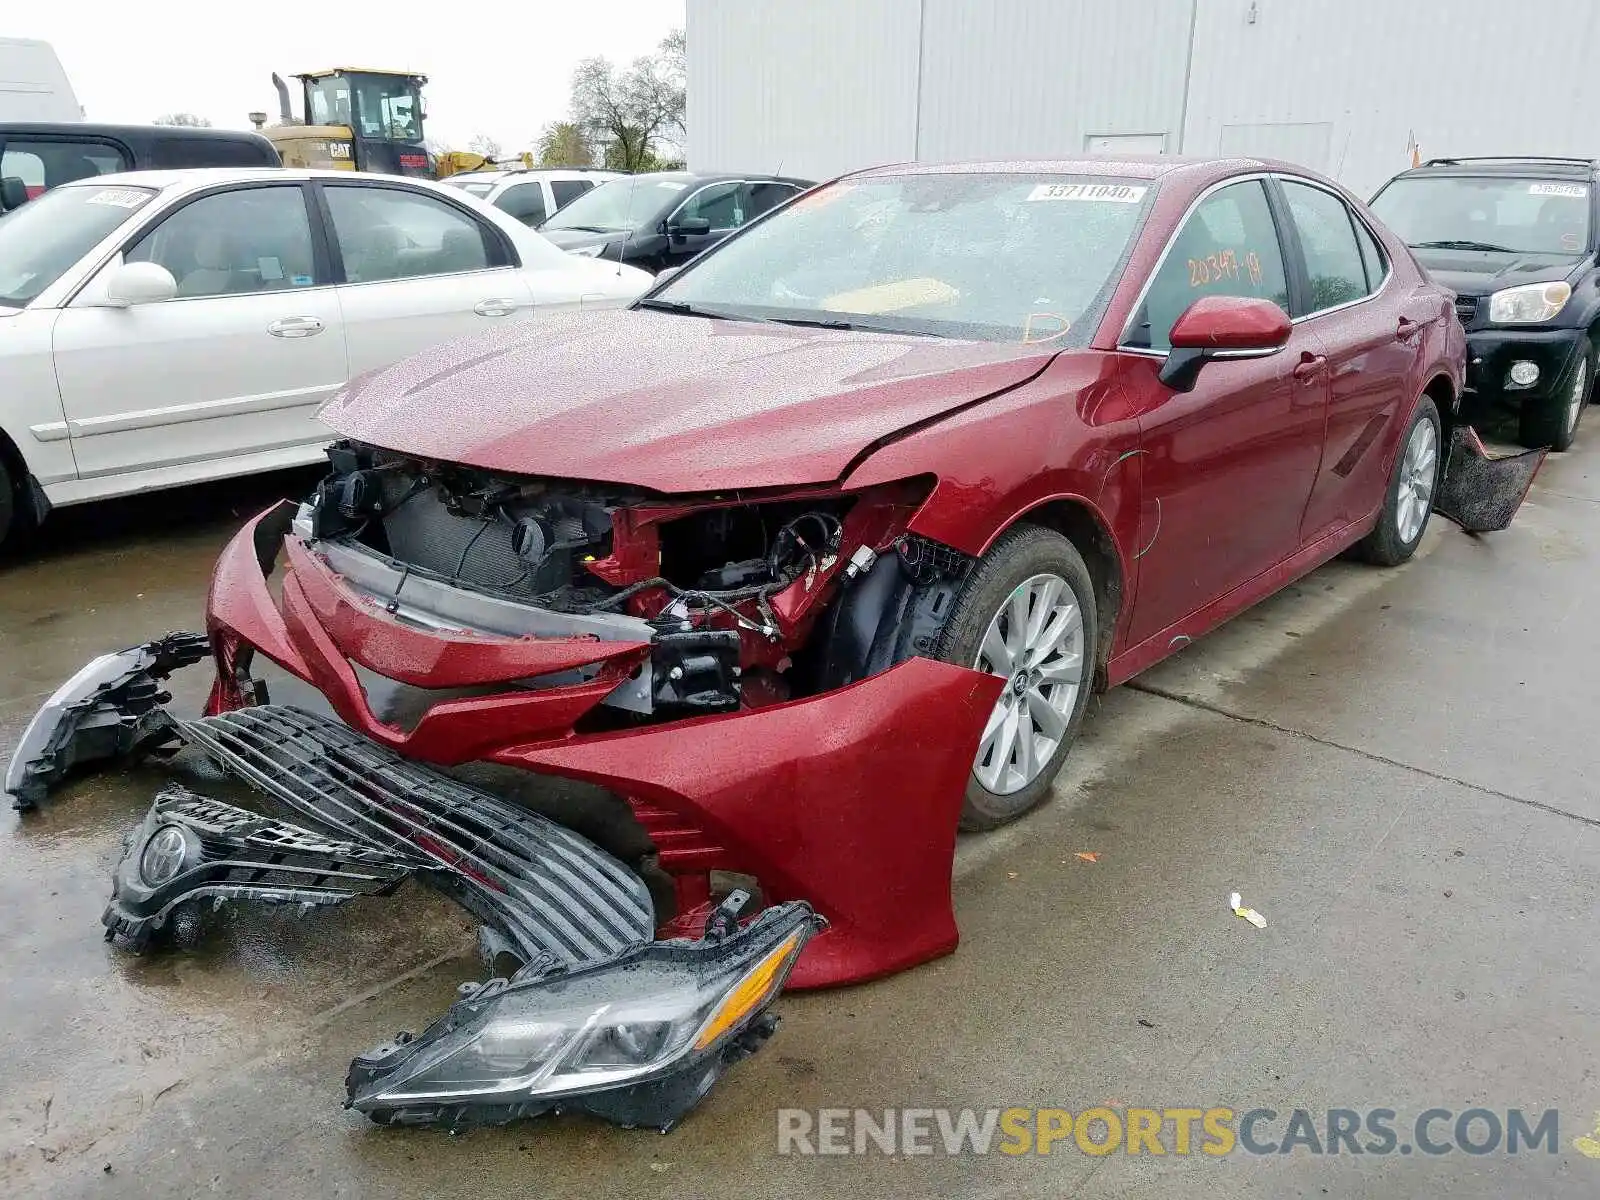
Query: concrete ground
1396	767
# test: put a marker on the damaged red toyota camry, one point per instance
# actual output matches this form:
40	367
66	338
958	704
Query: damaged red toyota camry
808	560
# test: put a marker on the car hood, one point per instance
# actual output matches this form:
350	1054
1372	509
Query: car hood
1478	272
575	239
670	403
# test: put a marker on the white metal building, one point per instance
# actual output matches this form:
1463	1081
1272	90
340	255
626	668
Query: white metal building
33	87
818	87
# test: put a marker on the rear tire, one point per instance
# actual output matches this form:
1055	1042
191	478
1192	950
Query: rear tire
1408	504
1047	655
1554	421
10	520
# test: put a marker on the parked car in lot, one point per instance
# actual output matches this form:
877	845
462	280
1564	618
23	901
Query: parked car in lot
37	156
1516	239
531	196
663	219
811	556
166	327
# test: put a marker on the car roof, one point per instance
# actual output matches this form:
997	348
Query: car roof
133	132
1190	170
535	172
194	177
1561	168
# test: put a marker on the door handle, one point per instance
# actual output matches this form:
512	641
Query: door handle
295	327
1407	329
1310	366
498	306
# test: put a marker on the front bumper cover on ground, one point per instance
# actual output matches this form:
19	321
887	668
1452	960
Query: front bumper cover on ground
359	820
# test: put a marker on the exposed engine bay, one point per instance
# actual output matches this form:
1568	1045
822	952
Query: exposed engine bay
724	590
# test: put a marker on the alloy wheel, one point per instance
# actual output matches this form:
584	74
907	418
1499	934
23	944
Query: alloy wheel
1035	643
1575	399
1418	471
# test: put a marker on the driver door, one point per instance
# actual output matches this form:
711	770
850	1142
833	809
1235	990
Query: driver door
238	362
1228	467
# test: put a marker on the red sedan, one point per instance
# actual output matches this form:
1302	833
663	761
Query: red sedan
814	555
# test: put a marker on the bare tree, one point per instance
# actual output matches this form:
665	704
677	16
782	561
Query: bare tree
630	111
562	144
187	119
485	145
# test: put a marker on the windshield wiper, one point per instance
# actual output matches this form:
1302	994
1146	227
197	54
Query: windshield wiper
688	310
1461	244
587	228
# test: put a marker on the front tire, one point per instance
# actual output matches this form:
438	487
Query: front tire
1554	422
1027	613
1409	501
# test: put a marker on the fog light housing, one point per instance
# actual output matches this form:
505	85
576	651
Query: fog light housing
1523	373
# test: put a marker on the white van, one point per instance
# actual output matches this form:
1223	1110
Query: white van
33	86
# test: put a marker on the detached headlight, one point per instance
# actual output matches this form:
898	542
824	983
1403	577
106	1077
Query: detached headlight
638	1041
1529	304
589	251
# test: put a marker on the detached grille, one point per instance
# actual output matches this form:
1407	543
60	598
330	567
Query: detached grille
555	897
1466	308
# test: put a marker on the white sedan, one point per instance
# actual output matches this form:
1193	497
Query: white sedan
164	327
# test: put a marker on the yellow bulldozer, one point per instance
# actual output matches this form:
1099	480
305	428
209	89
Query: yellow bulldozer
353	119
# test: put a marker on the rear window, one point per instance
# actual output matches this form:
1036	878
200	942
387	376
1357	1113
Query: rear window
568	190
173	152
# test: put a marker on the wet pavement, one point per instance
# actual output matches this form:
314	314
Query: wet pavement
1396	767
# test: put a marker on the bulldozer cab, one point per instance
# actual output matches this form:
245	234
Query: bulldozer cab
358	119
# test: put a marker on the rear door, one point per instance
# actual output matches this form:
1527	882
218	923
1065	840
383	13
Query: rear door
237	363
1372	341
417	270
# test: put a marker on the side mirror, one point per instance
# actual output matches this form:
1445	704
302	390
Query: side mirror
685	226
140	283
1222	327
13	193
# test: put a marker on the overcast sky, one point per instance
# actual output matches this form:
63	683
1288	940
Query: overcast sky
497	68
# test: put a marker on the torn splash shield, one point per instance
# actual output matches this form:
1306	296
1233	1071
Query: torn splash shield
1481	493
110	709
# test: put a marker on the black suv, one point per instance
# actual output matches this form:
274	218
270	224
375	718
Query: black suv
1516	239
34	157
665	218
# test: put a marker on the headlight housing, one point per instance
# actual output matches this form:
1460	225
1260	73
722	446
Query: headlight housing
638	1040
589	251
1528	304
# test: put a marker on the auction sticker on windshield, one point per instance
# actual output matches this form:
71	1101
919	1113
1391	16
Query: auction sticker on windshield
1115	193
1557	189
120	197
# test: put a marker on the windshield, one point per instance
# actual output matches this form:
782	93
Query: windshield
620	206
1460	212
40	240
1000	257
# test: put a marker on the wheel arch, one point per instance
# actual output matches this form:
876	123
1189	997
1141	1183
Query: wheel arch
1076	520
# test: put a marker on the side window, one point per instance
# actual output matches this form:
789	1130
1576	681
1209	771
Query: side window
233	243
568	190
177	152
42	164
1227	247
720	203
767	196
1371	256
1328	236
388	233
524	201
